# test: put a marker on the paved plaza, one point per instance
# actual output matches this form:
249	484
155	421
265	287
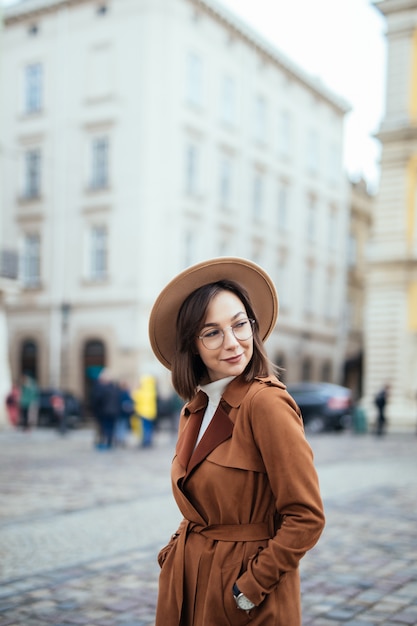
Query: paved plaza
80	530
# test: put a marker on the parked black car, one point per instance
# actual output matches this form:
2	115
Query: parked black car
324	406
53	403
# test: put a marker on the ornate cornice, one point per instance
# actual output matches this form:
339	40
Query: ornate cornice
387	7
396	134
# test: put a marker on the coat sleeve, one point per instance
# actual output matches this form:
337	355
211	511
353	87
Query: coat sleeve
279	435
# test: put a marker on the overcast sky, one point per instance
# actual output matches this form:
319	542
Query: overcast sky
342	42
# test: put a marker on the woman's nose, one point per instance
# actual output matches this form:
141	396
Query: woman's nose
229	338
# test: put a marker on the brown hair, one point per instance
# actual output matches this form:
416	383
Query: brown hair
188	369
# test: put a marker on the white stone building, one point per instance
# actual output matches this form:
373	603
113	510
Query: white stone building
145	135
391	324
361	212
8	286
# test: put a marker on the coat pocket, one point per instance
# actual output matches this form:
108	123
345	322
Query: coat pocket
235	616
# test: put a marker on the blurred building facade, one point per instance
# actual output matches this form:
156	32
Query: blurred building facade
8	286
391	324
141	137
360	223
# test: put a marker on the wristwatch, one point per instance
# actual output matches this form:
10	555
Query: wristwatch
241	600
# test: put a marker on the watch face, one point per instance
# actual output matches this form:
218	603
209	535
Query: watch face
244	603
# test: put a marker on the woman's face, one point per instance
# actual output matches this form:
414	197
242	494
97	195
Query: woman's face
233	355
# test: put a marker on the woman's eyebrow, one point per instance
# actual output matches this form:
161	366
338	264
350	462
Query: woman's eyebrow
211	324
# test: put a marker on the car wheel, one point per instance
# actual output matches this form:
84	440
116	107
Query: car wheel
316	424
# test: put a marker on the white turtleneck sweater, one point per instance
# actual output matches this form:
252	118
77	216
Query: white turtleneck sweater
214	391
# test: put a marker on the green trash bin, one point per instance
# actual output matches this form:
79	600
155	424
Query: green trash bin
360	423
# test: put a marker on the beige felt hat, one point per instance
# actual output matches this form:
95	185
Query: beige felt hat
163	317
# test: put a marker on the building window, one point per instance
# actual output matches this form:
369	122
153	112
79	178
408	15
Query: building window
312	154
33	88
284	133
284	281
326	372
225	244
192	168
98	253
260	119
352	250
257	196
32	174
226	181
228	101
100	163
189	248
283	206
311	218
306	369
329	304
280	362
332	229
334	165
308	290
31	261
194	79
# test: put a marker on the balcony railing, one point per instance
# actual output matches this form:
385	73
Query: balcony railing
8	264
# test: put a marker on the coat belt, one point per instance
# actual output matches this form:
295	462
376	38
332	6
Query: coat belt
234	532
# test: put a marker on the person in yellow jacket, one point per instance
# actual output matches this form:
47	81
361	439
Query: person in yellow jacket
145	403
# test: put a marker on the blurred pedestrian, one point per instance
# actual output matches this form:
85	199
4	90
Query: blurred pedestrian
381	400
12	405
126	412
145	404
58	407
243	474
106	408
28	402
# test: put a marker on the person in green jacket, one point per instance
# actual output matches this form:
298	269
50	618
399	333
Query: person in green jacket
29	398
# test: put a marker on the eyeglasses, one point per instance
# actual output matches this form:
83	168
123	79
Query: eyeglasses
214	337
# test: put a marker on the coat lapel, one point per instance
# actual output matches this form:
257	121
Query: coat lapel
188	437
219	429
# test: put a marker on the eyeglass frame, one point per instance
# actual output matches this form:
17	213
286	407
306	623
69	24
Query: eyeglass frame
251	321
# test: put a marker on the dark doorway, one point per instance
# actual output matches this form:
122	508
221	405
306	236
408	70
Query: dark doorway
29	359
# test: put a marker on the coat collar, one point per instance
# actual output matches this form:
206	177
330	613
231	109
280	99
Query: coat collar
238	388
220	428
233	394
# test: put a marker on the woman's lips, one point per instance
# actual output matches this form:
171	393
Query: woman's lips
233	359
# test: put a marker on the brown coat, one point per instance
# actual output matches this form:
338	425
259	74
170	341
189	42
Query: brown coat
250	499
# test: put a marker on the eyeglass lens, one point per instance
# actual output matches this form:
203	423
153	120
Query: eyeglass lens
214	337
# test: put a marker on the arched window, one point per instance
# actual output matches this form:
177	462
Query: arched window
29	358
326	372
306	369
94	360
280	363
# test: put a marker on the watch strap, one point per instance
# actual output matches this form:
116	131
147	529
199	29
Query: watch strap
236	590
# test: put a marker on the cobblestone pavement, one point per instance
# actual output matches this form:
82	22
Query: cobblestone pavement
80	530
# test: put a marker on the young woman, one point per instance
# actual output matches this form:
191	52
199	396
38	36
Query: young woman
243	474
